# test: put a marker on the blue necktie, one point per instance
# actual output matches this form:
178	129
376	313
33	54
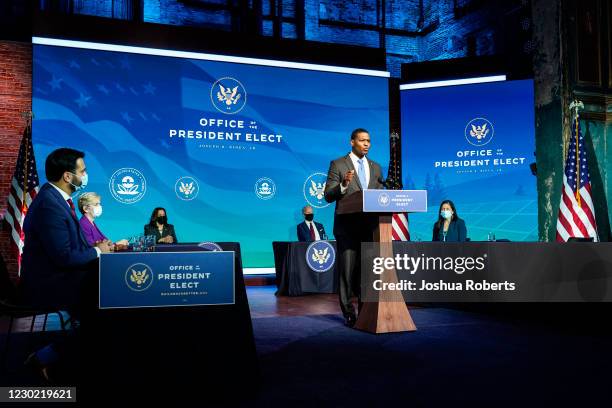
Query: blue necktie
361	174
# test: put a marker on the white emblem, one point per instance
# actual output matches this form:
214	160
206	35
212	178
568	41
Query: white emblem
314	190
186	188
320	255
384	200
127	185
265	188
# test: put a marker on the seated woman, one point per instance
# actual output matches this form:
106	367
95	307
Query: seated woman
158	226
449	227
89	205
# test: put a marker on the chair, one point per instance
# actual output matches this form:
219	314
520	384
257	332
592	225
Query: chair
10	307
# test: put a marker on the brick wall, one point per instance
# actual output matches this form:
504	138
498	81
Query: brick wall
15	97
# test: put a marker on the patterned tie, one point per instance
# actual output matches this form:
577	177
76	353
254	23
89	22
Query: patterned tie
361	174
312	233
71	204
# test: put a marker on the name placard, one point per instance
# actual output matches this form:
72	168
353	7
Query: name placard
394	201
166	279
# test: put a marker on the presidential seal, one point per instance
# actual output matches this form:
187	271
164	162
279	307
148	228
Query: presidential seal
228	95
320	256
479	131
139	277
314	190
186	188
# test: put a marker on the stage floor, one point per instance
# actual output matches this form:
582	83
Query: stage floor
308	358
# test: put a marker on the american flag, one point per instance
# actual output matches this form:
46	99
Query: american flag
576	212
399	221
399	226
24	187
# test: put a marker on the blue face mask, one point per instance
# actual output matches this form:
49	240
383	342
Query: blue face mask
84	180
446	214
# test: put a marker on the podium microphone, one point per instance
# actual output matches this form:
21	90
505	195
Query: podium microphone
388	183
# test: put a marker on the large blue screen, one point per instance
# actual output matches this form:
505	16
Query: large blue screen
473	144
232	150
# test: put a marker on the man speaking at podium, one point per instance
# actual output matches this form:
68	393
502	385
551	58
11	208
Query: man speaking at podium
350	174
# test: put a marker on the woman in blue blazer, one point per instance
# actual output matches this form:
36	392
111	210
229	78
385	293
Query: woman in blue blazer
449	227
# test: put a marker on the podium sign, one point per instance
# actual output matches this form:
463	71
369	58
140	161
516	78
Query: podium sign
394	201
166	279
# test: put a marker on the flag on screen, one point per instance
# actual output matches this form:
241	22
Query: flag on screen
24	187
399	226
576	212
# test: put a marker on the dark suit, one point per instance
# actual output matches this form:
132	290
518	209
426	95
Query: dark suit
56	257
457	232
350	230
303	232
167	230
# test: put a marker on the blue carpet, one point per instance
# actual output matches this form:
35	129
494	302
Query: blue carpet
454	358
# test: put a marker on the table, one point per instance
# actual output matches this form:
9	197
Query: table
177	352
294	277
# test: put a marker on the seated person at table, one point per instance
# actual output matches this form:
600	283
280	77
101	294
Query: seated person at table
158	226
449	227
90	207
310	230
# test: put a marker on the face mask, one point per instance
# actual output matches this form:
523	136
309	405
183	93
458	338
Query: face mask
84	180
162	219
309	217
97	211
446	214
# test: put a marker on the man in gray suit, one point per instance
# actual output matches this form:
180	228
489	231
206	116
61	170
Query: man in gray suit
347	175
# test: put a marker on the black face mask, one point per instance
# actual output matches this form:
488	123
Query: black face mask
162	219
309	217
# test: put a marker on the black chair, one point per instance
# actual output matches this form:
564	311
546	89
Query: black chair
11	308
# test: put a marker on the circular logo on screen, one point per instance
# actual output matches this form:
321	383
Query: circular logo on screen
127	185
479	131
314	190
265	188
139	277
320	256
210	246
384	199
186	188
228	95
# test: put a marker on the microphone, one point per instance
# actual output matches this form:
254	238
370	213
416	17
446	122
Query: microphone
388	183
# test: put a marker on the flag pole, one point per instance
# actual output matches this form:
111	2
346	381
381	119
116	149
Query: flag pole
576	105
27	115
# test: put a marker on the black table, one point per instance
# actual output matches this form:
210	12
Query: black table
192	352
293	275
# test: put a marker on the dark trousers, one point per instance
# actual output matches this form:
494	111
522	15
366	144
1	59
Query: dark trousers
351	231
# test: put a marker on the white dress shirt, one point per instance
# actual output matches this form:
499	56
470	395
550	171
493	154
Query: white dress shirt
366	167
316	231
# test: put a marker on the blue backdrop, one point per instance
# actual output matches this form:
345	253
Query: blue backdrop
473	144
233	151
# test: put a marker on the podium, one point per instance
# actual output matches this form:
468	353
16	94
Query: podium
389	313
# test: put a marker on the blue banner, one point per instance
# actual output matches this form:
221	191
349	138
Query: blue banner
473	144
163	279
233	151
